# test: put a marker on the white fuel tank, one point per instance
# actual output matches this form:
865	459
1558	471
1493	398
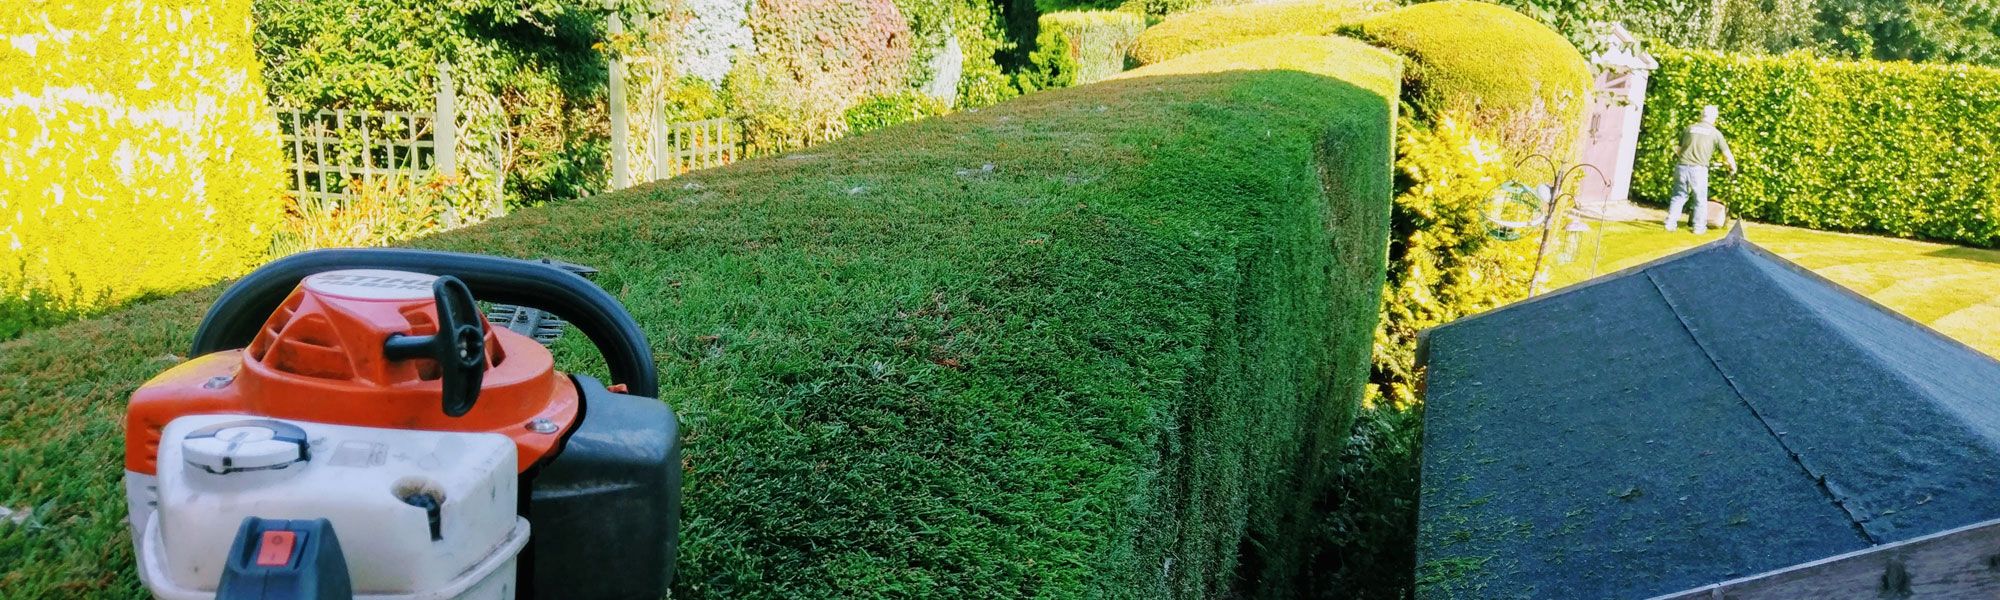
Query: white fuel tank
374	485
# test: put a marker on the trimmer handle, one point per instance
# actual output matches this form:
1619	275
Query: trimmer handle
234	319
459	346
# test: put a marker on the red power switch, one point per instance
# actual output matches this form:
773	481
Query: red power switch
275	549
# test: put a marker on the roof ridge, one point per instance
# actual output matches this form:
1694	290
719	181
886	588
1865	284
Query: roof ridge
1891	369
1801	270
1819	479
1735	238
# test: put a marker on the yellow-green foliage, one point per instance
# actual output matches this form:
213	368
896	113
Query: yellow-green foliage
1359	64
1078	47
1510	74
1443	261
1229	25
136	151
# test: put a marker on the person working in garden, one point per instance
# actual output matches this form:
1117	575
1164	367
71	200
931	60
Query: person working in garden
1698	147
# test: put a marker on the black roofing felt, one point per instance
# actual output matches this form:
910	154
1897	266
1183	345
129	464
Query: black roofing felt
1713	415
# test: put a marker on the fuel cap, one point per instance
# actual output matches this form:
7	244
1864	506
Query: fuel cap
246	445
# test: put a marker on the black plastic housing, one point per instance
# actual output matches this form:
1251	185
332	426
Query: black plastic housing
235	317
604	515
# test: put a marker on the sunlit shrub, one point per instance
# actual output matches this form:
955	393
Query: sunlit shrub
137	153
1081	47
1444	261
877	112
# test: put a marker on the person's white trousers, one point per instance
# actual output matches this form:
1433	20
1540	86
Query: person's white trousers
1687	180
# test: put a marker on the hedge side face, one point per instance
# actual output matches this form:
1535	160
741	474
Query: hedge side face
1283	485
137	154
1894	148
1229	25
1085	344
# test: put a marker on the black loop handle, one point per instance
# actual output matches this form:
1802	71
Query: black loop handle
459	346
235	317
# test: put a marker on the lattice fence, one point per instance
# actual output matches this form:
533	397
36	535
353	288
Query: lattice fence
696	145
333	151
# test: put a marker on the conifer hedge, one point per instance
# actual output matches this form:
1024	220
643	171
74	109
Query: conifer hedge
1227	25
1078	47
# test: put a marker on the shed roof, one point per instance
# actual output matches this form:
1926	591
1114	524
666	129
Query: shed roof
1715	414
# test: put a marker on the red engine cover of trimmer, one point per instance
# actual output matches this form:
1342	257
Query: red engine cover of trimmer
319	358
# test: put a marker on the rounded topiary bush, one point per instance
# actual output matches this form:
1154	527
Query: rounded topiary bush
1229	25
1513	75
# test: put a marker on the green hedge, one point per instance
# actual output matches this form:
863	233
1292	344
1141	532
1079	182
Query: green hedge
1507	73
1294	533
876	112
1222	26
1894	148
1078	47
1024	351
137	154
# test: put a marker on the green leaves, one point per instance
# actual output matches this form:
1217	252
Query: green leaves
876	112
137	155
1892	148
1443	262
1080	47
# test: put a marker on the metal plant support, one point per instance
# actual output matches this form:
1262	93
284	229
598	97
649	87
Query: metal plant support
1553	198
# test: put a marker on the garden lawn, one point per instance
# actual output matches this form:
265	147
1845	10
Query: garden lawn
1099	342
1954	289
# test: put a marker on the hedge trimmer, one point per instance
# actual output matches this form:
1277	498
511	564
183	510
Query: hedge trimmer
352	426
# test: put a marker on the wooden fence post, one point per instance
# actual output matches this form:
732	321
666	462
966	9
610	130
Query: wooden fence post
660	167
621	143
444	133
499	176
444	124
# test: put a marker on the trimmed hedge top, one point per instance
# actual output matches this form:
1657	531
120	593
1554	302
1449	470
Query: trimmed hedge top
1095	342
1896	148
1511	73
1371	68
1229	25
